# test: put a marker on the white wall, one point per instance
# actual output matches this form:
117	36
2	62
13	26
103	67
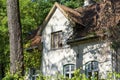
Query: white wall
118	60
97	51
53	60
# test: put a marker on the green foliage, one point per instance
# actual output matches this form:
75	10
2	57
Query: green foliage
33	14
72	4
13	77
4	40
77	76
80	76
32	59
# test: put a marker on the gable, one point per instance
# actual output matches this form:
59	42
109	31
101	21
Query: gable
57	22
72	15
57	19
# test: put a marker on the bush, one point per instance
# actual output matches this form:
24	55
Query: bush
77	76
13	77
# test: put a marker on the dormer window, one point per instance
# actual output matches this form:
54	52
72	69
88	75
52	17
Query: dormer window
56	40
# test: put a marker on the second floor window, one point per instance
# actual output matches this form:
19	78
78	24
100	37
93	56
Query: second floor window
56	40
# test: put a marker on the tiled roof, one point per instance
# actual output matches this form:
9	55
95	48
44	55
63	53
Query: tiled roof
72	14
36	40
99	16
93	17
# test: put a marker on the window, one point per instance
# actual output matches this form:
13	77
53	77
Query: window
69	70
32	74
56	40
91	69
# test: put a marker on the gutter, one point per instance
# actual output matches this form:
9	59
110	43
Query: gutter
69	41
31	48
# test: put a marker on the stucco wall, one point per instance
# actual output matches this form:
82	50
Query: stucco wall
117	60
95	51
53	60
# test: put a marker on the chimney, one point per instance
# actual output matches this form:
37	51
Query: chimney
89	2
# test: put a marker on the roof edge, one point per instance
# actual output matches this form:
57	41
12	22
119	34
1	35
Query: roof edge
82	38
56	5
47	19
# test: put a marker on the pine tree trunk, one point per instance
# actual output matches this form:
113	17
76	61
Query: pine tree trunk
15	33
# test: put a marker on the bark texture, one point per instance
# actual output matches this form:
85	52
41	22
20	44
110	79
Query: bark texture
15	33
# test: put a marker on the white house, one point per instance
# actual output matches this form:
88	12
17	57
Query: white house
71	40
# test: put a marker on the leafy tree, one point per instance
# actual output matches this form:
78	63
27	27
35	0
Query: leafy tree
4	41
33	14
72	3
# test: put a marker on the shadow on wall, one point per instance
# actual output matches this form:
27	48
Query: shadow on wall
56	67
94	51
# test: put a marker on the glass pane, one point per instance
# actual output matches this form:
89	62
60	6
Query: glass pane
72	75
67	75
67	68
33	78
60	39
56	39
32	71
89	67
89	75
95	65
72	67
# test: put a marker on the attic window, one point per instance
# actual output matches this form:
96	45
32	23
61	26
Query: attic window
56	40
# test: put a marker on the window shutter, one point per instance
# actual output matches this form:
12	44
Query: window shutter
56	40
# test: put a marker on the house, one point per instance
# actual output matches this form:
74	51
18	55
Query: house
78	38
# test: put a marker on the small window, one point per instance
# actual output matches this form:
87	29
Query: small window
32	74
69	70
56	40
91	69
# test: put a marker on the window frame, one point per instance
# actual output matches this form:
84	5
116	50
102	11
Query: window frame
70	72
32	74
58	43
92	70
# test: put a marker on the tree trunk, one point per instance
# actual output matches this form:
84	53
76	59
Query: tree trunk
15	33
